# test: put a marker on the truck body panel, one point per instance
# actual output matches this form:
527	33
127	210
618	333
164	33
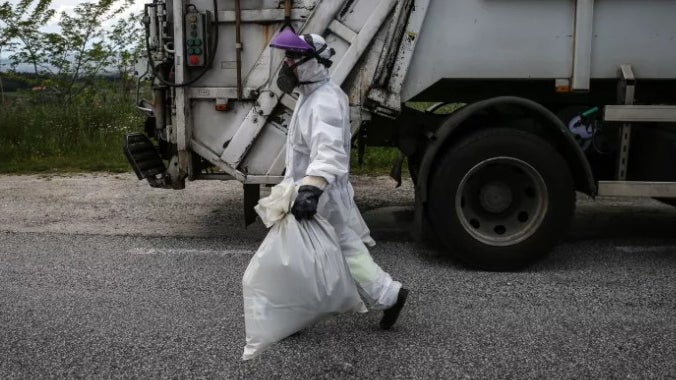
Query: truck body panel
521	39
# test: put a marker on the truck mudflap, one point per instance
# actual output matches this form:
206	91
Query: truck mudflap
144	159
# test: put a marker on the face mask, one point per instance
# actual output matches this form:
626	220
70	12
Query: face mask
287	79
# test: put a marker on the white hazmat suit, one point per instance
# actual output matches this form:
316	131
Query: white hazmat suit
318	154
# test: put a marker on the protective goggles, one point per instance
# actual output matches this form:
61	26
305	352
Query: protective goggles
295	55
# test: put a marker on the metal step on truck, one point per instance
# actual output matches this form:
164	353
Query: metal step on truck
551	97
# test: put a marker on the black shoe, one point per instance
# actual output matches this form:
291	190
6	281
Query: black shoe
390	315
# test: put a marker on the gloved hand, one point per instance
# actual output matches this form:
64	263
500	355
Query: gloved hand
305	205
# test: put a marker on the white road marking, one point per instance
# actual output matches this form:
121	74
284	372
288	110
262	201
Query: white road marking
178	251
639	249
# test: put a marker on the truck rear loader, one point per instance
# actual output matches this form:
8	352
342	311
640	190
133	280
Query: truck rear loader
548	98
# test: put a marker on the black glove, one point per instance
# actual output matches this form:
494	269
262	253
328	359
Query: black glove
305	206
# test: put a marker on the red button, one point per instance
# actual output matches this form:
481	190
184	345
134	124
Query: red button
194	59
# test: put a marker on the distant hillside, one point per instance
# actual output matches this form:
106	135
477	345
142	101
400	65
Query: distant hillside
22	80
4	65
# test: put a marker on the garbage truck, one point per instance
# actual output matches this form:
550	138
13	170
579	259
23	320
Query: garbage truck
502	110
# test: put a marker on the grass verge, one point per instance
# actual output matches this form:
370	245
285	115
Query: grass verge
39	137
47	137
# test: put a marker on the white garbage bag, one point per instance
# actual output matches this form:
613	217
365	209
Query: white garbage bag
297	276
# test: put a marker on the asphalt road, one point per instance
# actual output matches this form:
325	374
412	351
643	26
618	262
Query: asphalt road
103	277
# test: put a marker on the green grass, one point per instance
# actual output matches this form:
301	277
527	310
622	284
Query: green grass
377	161
44	137
39	137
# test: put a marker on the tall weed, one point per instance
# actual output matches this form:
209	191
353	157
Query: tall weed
37	134
41	135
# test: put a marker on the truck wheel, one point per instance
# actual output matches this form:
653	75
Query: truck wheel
501	198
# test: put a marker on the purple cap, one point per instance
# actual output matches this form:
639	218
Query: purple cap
288	40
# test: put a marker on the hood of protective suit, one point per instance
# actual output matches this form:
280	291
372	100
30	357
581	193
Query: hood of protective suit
312	70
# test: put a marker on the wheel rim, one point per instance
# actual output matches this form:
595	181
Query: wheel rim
501	201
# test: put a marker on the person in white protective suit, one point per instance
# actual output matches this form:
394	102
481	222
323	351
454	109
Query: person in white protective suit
318	160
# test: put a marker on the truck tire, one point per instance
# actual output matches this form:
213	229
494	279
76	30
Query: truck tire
501	198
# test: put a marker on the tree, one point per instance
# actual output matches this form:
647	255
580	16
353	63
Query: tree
68	62
126	44
19	26
71	61
22	23
5	44
77	55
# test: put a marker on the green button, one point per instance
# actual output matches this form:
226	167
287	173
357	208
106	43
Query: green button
197	42
197	50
